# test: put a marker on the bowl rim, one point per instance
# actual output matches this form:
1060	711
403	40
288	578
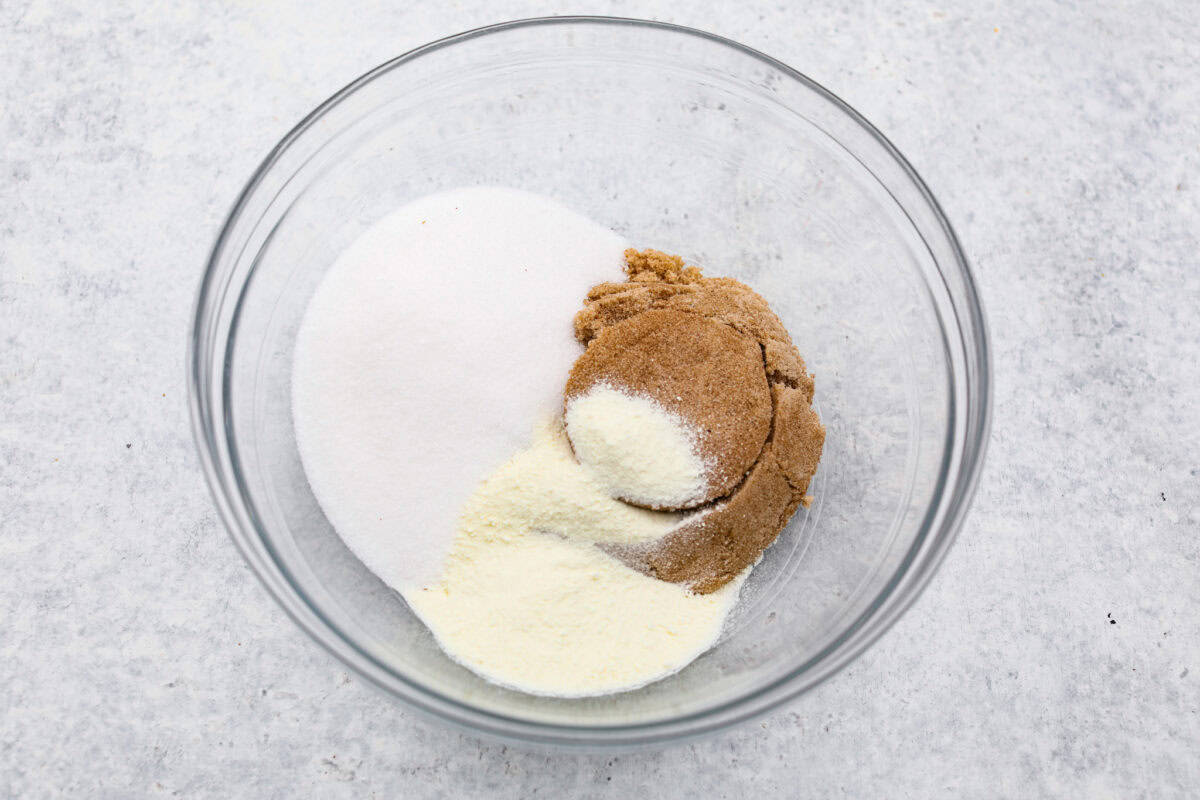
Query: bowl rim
915	569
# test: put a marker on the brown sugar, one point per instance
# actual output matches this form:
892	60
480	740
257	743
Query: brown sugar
713	549
712	351
698	368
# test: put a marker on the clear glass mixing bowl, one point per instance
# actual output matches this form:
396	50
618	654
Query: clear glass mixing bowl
682	141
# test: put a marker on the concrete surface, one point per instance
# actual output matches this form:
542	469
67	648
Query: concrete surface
1056	654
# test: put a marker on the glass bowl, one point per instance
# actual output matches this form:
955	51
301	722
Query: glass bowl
682	141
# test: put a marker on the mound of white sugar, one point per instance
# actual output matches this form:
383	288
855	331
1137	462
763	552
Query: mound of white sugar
636	448
426	354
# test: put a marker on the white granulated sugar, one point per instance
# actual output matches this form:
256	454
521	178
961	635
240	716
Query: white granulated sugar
426	354
637	448
528	601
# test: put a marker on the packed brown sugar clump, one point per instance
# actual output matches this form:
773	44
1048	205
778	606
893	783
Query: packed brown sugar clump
712	351
698	368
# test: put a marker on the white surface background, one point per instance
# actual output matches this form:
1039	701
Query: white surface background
1057	653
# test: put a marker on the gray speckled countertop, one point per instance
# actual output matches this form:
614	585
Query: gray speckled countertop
1057	652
